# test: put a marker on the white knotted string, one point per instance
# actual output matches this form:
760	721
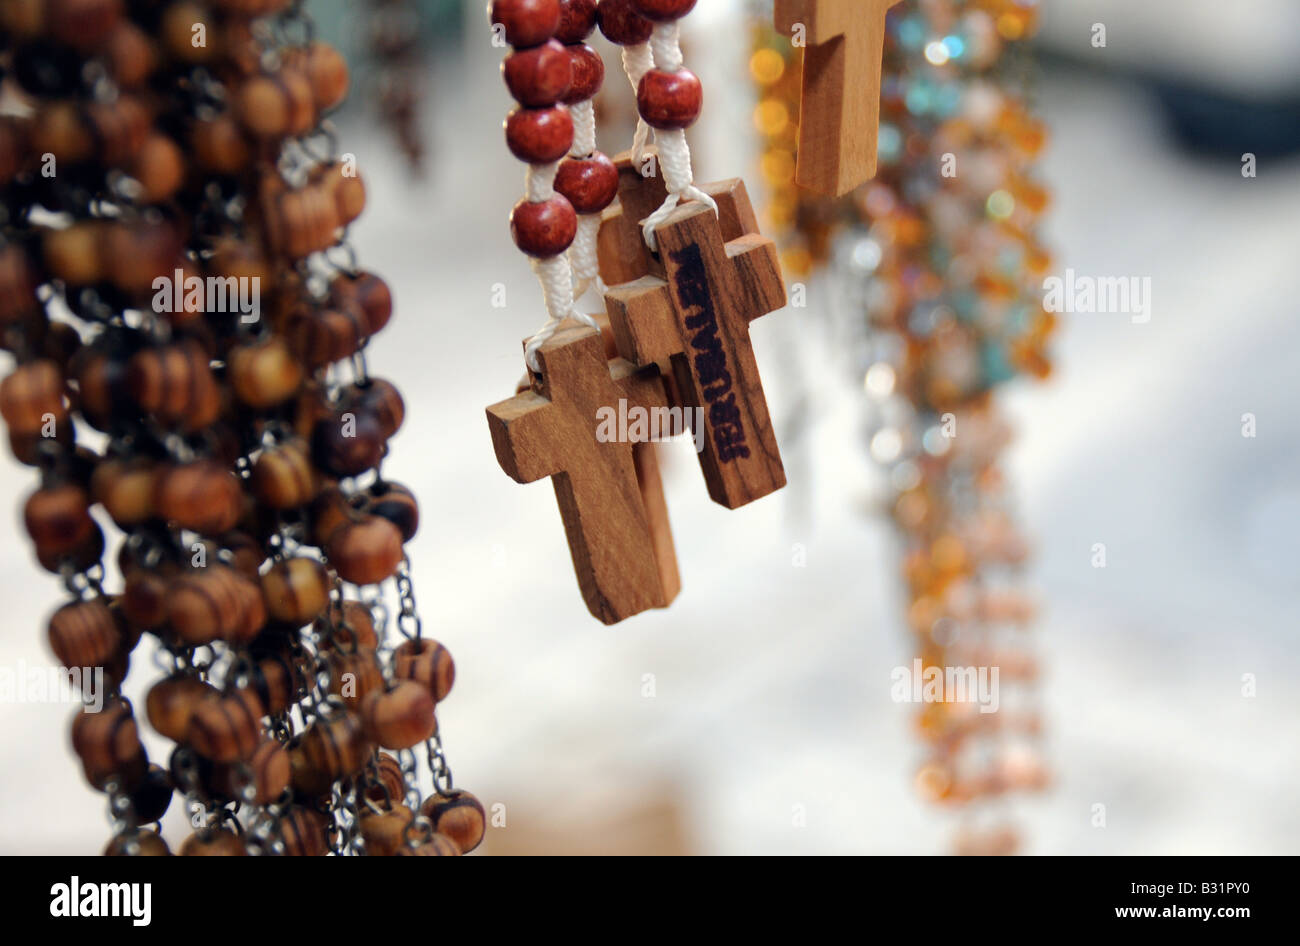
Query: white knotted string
637	61
583	256
674	152
555	273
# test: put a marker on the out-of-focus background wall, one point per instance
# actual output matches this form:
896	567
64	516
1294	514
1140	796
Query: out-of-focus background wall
771	680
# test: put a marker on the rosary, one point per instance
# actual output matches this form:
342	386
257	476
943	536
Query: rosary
189	327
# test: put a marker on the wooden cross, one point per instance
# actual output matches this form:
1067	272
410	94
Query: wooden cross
610	493
719	274
840	103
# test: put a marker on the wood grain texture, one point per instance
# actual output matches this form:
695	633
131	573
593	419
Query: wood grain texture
620	245
719	275
610	494
840	102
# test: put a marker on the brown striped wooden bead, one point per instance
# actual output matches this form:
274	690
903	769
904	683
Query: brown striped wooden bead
544	228
538	77
277	105
590	184
385	833
152	797
296	590
109	746
264	373
258	781
178	28
15	147
130	54
283	477
203	496
58	520
84	634
175	384
329	512
347	443
388	787
401	718
159	166
670	100
75	254
79	558
215	603
171	703
227	729
622	24
252	612
398	505
32	396
539	135
18	279
102	393
459	816
334	748
344	188
368	292
428	663
382	399
61	129
144	595
366	552
355	676
438	845
144	843
327	71
138	252
350	627
219	842
303	832
279	682
322	335
526	22
126	489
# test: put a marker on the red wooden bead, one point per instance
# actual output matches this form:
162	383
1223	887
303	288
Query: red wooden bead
670	100
664	10
544	228
539	135
622	24
527	22
588	73
590	184
540	76
577	20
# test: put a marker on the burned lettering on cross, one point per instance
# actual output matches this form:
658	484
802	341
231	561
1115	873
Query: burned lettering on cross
709	357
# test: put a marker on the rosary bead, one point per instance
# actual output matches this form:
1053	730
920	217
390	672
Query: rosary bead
73	253
588	74
213	603
344	188
202	496
401	718
84	634
622	24
144	596
279	105
102	387
33	396
303	832
153	796
282	476
278	681
329	512
577	20
81	557
218	145
669	100
385	832
368	292
18	283
296	590
590	184
380	398
82	24
144	843
388	786
331	749
663	11
323	336
58	520
539	135
171	703
219	842
428	663
355	676
457	815
538	77
131	55
348	443
109	746
175	384
438	845
544	228
327	71
527	22
126	488
366	552
227	729
398	505
260	780
160	168
352	628
264	373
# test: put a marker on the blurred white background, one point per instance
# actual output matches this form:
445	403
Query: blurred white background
772	681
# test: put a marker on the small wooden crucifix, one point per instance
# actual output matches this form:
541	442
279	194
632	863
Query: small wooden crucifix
610	493
839	120
718	275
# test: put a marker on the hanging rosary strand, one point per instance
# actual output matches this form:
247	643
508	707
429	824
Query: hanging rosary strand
175	275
